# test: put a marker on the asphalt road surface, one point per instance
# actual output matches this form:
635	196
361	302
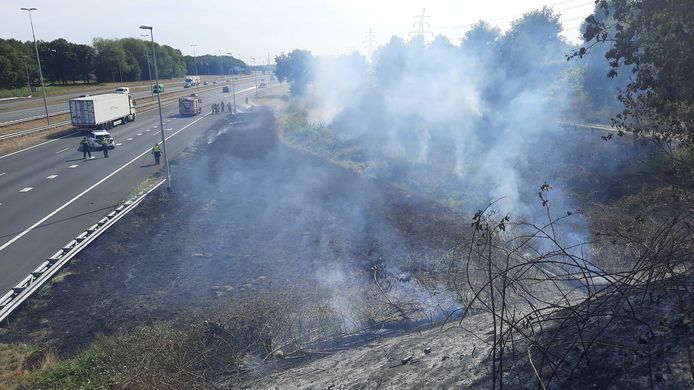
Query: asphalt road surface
9	113
49	194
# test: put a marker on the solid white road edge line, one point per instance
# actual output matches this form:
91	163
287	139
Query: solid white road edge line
81	194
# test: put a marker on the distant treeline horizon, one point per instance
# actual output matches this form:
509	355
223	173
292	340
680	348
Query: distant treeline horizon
105	60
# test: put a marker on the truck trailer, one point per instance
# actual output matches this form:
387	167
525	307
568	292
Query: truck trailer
190	105
102	111
191	81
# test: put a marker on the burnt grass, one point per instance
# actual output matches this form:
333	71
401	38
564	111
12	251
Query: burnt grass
247	215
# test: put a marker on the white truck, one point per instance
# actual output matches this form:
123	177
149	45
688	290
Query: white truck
102	111
191	81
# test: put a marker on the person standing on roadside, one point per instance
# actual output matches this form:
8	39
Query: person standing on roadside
85	148
222	106
104	146
156	151
229	107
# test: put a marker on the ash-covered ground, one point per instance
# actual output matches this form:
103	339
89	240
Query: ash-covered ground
247	215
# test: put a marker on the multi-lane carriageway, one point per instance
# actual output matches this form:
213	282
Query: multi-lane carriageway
49	194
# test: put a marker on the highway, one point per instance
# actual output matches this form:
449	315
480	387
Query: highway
10	111
49	194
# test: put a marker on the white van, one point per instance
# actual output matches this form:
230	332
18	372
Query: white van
125	90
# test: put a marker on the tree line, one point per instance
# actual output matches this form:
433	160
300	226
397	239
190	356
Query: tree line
106	60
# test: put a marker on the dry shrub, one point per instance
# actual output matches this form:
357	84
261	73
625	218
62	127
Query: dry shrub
562	313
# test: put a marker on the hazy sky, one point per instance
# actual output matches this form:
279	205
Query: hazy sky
261	27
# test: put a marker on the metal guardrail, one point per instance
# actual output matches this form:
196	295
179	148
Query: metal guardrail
13	299
31	118
34	130
140	107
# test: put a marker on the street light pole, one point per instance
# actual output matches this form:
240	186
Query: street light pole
161	117
36	46
197	78
149	69
255	77
26	69
221	68
233	85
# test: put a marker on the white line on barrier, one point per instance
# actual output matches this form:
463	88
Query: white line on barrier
56	211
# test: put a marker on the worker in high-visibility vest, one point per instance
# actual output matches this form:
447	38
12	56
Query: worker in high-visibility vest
156	151
104	145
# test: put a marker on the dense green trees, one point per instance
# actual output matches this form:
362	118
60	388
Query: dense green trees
295	68
106	60
651	41
214	65
15	59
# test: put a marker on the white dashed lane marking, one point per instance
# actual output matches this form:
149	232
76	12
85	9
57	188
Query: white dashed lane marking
51	177
128	139
139	133
26	189
73	166
61	150
2	173
169	129
119	144
148	130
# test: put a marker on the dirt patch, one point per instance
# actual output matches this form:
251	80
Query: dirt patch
248	215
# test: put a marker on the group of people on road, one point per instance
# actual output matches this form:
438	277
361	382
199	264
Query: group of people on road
85	146
219	107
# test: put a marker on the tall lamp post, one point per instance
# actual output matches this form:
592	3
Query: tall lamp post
149	69
36	46
221	66
161	117
26	68
233	85
255	77
197	78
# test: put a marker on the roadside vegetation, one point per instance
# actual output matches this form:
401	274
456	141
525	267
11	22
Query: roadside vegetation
105	61
578	246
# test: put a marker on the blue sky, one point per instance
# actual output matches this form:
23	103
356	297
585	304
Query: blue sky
256	28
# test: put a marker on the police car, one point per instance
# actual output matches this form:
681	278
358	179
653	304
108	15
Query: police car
96	136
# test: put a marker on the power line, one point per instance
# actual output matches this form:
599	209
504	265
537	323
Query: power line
518	15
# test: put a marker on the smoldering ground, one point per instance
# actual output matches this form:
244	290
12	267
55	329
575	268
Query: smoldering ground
249	217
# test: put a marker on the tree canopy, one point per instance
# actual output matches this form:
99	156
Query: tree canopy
651	40
106	60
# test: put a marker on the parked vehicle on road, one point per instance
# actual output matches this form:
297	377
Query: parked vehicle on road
95	138
102	111
125	90
190	105
226	89
191	81
159	88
